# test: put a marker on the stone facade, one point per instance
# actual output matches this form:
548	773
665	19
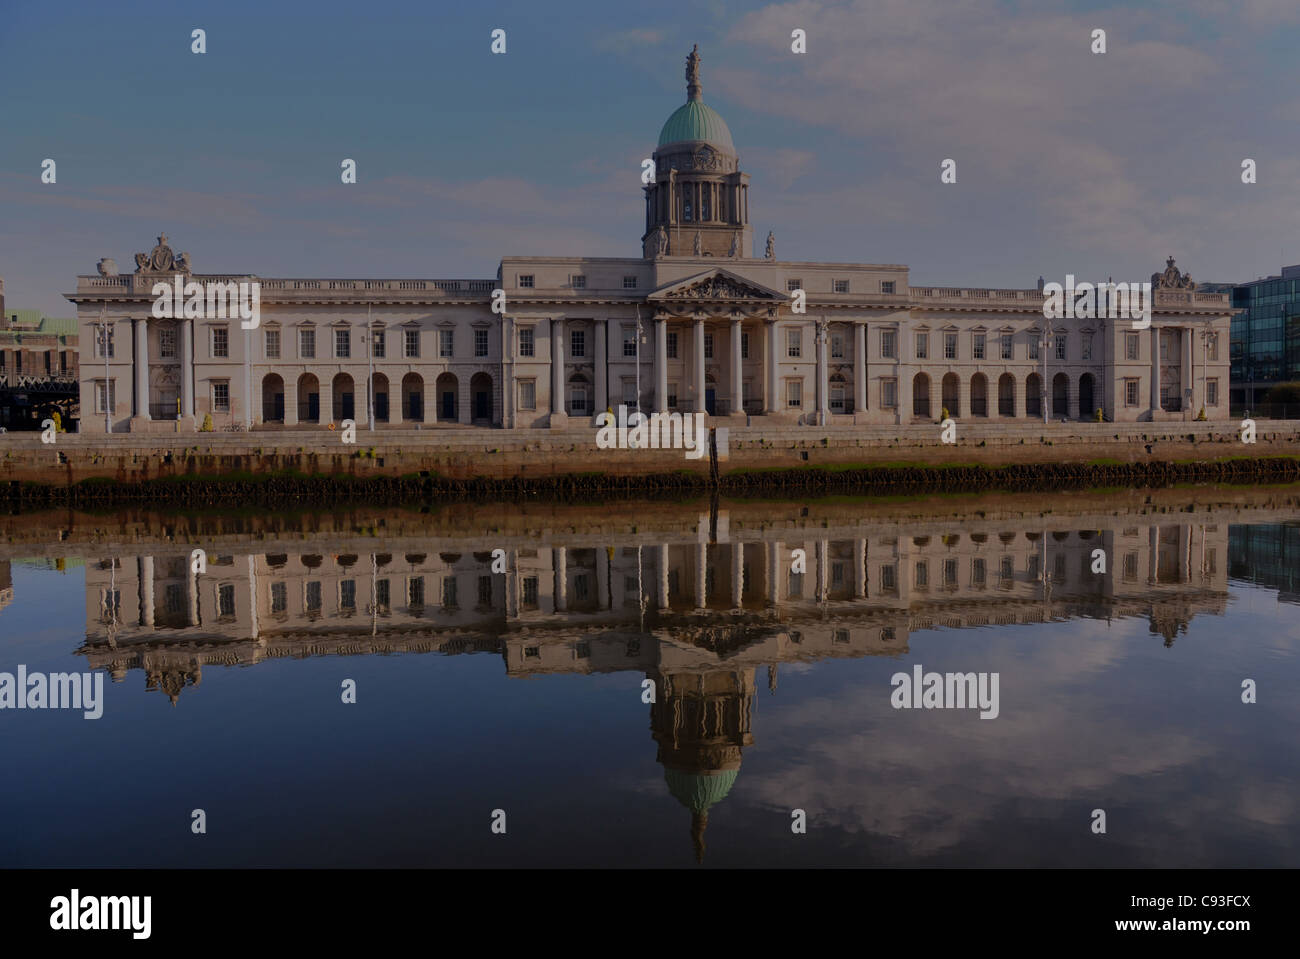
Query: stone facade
696	323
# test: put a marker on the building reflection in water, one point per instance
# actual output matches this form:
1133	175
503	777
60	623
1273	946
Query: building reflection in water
697	617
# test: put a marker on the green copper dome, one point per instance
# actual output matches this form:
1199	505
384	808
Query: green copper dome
695	121
697	791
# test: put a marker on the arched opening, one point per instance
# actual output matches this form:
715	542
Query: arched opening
344	406
580	398
1060	395
1006	395
952	394
272	398
308	398
480	388
1034	395
413	398
979	395
379	397
1086	408
447	389
921	395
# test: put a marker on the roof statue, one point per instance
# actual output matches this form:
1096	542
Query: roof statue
771	246
1172	278
693	88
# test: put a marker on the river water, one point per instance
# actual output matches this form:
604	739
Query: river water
501	659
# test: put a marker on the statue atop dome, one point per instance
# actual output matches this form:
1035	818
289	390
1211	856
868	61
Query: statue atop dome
693	89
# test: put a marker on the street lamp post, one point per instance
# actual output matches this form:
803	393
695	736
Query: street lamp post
1046	345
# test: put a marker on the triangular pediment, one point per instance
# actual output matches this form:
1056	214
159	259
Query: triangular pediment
714	285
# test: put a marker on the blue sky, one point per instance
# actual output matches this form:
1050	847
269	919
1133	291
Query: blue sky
1067	161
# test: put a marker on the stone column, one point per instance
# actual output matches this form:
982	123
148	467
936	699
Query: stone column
146	591
1021	394
737	397
142	368
1188	372
699	363
737	574
823	569
771	397
191	595
860	569
774	571
823	334
187	368
602	578
663	575
557	369
560	558
701	575
661	364
325	383
859	367
1155	371
602	368
291	400
1153	560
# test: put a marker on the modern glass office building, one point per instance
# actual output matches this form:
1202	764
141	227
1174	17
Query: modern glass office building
1265	336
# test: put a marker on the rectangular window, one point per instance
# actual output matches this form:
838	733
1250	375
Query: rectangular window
977	348
1212	392
446	343
100	403
383	595
166	344
342	344
527	394
922	574
794	585
977	573
279	598
837	345
449	592
530	592
307	344
579	281
480	342
1033	344
1087	346
99	342
922	346
311	601
886	286
272	344
1060	347
708	346
485	592
526	341
577	344
629	341
889	578
888	344
629	393
1130	568
629	282
526	281
411	344
794	393
672	396
837	398
1006	346
889	393
1130	392
578	400
840	286
226	599
792	285
378	344
348	594
1131	346
950	346
744	346
672	346
221	397
220	341
415	592
950	573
